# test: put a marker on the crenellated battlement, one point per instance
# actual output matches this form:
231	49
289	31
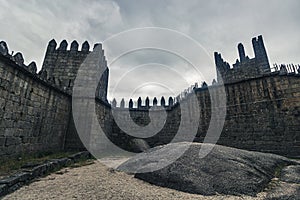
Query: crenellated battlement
162	103
262	109
17	58
244	67
62	63
287	69
139	104
74	47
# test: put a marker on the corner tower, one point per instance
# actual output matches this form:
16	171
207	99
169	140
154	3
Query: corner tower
260	53
61	65
244	67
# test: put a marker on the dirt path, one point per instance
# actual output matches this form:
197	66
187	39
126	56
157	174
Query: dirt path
97	181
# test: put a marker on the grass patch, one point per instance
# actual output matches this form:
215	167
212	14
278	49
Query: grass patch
275	181
9	166
278	170
82	162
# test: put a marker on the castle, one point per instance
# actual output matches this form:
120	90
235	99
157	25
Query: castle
263	105
244	68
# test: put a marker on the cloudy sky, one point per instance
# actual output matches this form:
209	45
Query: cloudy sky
215	25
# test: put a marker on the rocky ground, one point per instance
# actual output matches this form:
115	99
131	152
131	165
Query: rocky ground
97	181
225	170
243	169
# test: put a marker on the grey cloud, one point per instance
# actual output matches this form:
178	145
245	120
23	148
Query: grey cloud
217	25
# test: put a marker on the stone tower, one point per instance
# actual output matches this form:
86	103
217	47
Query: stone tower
261	55
61	65
241	50
244	68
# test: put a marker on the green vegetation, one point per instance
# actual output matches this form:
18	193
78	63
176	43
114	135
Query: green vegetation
275	181
82	162
9	166
278	170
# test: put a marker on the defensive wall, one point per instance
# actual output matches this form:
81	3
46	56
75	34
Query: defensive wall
263	107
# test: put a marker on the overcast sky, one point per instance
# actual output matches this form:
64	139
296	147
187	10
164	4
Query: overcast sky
217	25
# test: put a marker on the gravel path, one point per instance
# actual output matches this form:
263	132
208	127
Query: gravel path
97	181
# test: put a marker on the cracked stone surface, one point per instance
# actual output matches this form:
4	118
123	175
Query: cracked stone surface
97	181
224	170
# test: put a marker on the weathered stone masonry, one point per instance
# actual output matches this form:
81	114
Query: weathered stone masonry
263	114
61	65
34	114
263	107
36	108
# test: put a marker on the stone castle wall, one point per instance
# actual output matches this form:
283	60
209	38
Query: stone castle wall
245	67
262	111
61	64
34	114
263	114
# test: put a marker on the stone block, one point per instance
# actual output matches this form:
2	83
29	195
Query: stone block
81	155
23	176
10	141
39	170
2	141
62	162
3	189
9	181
